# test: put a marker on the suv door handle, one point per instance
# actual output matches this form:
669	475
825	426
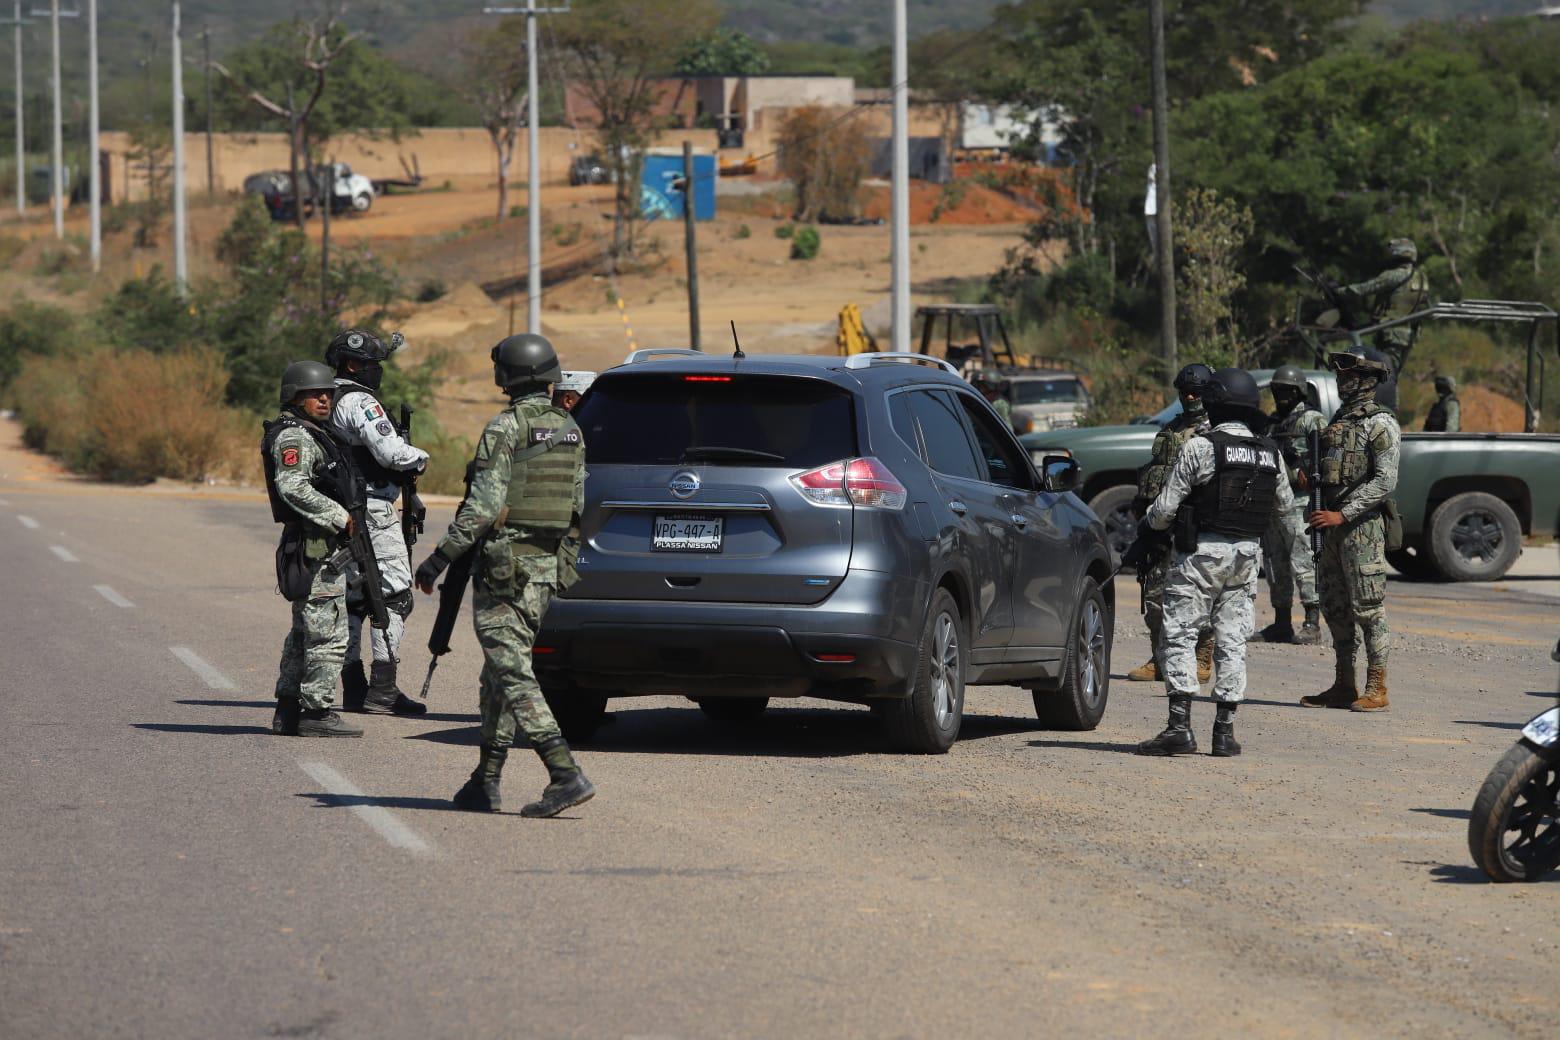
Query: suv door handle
958	507
1020	519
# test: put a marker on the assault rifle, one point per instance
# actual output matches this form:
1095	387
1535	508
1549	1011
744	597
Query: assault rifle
1329	289
354	496
413	512
456	577
1313	483
1146	550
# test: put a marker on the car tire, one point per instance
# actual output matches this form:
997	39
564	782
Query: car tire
1474	536
733	709
579	713
1114	506
927	721
362	202
1414	563
1079	703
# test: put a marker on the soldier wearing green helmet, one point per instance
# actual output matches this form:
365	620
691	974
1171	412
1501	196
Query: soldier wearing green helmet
1290	566
1445	415
1398	291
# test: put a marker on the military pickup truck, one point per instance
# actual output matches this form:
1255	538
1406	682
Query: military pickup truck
1467	499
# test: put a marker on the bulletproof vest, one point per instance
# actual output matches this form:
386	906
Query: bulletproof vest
1435	421
1407	298
541	489
1167	445
374	474
1238	501
1346	458
327	482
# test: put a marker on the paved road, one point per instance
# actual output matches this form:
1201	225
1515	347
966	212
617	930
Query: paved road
170	869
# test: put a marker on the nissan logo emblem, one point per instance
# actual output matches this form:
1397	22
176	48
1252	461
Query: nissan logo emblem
684	484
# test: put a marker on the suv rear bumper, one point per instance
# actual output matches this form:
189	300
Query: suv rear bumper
858	644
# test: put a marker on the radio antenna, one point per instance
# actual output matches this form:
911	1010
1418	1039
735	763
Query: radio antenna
736	342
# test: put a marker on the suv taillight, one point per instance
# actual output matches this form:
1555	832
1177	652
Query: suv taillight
862	482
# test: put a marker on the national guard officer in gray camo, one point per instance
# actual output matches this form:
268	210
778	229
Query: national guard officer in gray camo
520	515
303	468
1190	383
1233	482
1287	547
381	454
1446	414
1359	469
569	389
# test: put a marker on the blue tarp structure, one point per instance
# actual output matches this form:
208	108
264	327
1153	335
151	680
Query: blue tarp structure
660	192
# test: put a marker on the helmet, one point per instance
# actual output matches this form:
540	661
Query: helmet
306	375
1403	249
525	358
579	382
1233	389
1194	379
1289	375
1445	385
359	344
1360	358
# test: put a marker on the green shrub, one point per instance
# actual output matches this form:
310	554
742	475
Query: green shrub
149	313
804	244
33	329
517	211
431	290
743	231
785	230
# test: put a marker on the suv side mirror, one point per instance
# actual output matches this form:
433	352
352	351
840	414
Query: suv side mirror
1060	472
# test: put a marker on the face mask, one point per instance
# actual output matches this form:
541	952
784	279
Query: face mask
1353	386
369	374
1285	399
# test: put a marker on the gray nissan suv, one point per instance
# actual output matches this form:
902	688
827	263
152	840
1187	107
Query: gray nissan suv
860	529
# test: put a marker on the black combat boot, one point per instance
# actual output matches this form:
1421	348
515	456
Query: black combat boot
354	686
284	722
1177	738
480	794
1282	630
1311	631
322	722
1224	743
385	697
568	787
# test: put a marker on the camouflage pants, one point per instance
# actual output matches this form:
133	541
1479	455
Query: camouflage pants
395	575
510	698
1215	585
316	645
1290	565
1353	583
1153	593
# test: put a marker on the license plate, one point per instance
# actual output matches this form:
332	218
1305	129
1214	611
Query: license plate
680	533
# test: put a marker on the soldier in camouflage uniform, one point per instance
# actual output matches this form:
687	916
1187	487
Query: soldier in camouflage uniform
1446	414
1287	547
523	507
1396	292
1232	482
1359	468
1190	383
300	459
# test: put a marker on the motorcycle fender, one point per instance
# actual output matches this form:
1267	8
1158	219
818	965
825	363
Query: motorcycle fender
1544	731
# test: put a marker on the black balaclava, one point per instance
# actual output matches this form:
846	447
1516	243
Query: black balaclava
369	373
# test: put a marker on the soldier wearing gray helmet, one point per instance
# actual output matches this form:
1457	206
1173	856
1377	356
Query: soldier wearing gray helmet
569	389
521	515
1287	547
1446	414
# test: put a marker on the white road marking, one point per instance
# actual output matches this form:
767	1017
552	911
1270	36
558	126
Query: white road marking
27	522
214	679
113	597
384	822
64	553
5	501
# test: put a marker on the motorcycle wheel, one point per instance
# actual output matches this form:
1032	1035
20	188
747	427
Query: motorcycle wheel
1514	831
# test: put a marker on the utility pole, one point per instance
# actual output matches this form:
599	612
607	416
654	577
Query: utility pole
57	180
181	267
211	168
17	22
325	185
690	243
533	195
1166	257
94	159
900	251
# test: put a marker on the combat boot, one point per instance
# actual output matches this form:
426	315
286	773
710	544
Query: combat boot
354	686
1146	672
1177	737
385	697
1205	657
480	793
1282	630
1342	692
322	722
1375	698
1311	631
568	786
284	722
1224	743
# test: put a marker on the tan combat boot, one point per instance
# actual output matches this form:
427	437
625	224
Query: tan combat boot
1145	673
1205	657
1341	693
1375	698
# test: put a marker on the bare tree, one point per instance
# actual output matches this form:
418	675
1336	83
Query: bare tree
493	80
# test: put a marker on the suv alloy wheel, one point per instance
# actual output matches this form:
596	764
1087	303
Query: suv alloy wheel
928	720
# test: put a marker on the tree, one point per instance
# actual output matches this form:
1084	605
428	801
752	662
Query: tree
724	52
493	79
1210	237
825	159
615	50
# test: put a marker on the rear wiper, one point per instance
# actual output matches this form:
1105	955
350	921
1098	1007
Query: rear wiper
716	451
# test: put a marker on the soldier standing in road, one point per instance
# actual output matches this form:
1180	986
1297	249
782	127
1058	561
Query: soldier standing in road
1396	292
301	461
1446	414
1359	469
526	495
1234	484
571	388
1287	547
383	457
1190	383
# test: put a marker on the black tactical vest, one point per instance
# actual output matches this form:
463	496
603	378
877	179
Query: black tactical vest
1435	421
1239	500
328	483
374	475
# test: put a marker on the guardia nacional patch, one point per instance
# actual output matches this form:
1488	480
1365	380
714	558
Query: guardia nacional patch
384	428
289	456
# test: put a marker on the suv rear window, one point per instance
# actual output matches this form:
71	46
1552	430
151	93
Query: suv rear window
717	420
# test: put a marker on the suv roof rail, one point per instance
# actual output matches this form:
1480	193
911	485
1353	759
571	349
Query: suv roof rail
901	356
635	357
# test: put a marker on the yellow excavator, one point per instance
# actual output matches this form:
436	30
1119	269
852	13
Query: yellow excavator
852	336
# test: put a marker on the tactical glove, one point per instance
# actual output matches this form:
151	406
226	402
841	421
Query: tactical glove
429	570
